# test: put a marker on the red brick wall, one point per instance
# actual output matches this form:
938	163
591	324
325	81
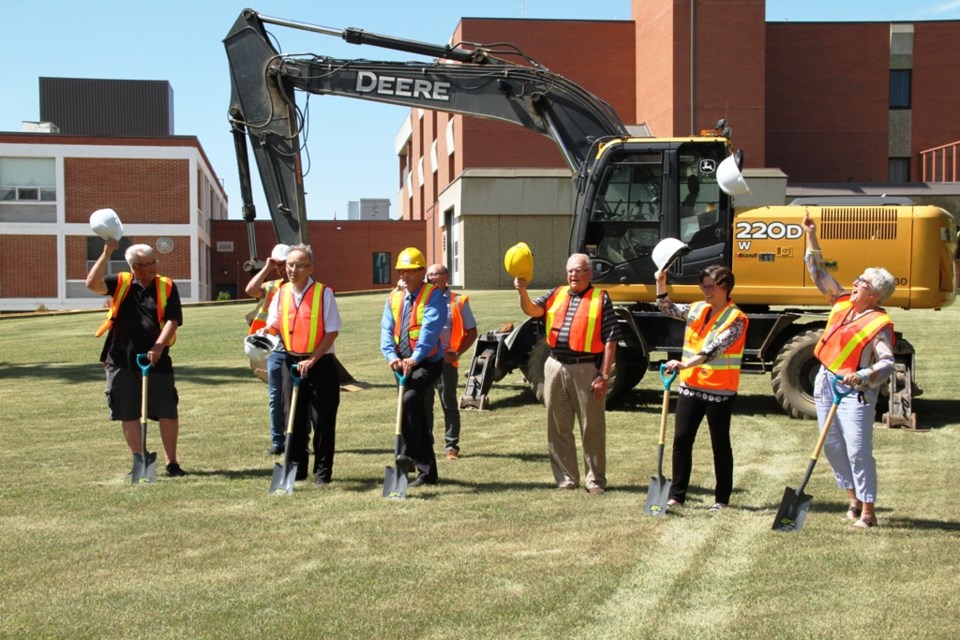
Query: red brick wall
175	264
827	101
654	94
342	251
166	141
936	77
18	257
729	71
598	55
144	191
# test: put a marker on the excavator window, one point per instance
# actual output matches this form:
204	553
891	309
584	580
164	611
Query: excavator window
700	220
625	216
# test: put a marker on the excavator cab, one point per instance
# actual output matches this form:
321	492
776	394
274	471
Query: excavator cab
647	190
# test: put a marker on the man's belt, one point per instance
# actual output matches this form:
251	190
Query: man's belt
575	359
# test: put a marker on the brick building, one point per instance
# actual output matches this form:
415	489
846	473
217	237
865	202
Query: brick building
858	111
844	103
163	188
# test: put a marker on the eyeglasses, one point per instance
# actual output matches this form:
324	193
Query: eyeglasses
577	271
862	283
145	264
435	275
296	265
707	287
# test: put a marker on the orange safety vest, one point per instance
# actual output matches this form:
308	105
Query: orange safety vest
723	372
456	320
842	343
124	280
301	327
587	322
416	316
270	288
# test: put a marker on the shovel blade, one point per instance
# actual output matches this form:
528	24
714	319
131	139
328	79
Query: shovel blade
394	484
281	484
144	470
657	495
793	510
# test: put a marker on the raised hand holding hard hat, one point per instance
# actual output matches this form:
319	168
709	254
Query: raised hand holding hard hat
518	261
730	177
106	224
666	252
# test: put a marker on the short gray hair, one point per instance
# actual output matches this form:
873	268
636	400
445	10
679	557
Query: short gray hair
881	280
135	251
305	248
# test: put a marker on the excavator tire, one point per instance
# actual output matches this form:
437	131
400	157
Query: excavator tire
631	366
533	371
794	371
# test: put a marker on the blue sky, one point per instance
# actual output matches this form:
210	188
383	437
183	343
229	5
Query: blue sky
351	141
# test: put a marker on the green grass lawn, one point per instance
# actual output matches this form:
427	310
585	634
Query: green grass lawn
491	552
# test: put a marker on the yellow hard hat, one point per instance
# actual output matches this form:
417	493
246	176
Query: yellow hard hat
411	258
518	261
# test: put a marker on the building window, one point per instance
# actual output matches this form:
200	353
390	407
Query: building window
28	180
900	88
117	261
898	170
381	268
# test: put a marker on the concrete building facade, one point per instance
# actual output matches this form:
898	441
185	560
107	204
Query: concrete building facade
164	190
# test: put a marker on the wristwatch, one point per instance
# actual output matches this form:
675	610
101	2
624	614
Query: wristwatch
604	376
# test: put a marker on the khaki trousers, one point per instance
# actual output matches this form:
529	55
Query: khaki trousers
568	396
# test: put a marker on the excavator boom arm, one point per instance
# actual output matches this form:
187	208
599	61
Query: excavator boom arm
263	107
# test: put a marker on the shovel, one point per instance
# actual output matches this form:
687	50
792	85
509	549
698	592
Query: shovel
395	478
659	490
795	504
144	469
281	484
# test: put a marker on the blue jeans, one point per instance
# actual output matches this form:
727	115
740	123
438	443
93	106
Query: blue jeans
278	425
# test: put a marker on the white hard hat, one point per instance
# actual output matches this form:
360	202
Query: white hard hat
258	347
729	177
668	250
280	252
106	224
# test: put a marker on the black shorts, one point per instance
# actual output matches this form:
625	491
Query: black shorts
123	394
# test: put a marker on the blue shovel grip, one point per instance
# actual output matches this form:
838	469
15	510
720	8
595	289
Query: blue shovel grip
144	363
667	379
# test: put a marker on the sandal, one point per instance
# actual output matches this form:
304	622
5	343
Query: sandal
853	513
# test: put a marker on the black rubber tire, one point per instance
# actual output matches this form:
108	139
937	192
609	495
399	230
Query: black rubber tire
630	367
794	372
533	371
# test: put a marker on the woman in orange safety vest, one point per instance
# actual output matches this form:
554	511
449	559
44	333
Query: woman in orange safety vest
709	378
857	346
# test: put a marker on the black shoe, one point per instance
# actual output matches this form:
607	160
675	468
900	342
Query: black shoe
422	479
405	463
320	481
174	470
276	450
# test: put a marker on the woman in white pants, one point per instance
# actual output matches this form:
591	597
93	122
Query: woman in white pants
857	346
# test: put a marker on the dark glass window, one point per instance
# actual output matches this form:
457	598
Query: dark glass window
900	88
898	170
381	268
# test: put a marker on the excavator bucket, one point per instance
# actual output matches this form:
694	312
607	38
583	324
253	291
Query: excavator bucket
481	375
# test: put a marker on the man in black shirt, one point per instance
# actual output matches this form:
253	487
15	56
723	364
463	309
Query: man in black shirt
144	315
